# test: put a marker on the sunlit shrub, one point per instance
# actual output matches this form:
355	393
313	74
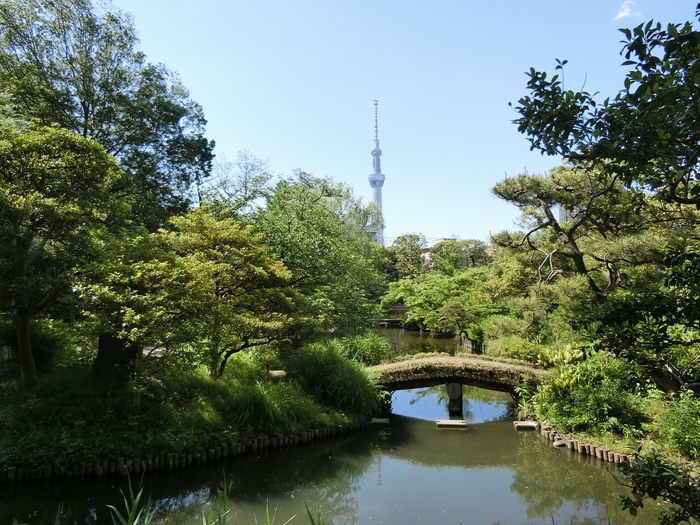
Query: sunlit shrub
680	425
515	347
352	388
551	356
600	394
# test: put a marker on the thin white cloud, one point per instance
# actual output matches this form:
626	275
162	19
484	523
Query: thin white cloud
626	10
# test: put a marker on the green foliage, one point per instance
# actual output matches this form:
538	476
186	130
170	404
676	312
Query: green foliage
515	347
317	228
658	327
69	63
134	512
324	371
219	509
449	255
238	296
679	427
238	186
407	251
368	349
645	133
52	341
580	222
454	304
188	411
655	477
55	199
601	394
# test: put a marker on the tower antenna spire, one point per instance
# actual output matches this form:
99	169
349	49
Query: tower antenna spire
376	127
376	179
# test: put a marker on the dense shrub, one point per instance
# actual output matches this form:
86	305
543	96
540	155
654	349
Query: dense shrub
179	410
680	426
515	347
600	394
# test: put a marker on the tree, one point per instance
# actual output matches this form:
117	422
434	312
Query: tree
449	255
238	296
133	293
65	63
407	250
581	222
452	304
56	195
317	228
647	138
659	327
238	187
647	134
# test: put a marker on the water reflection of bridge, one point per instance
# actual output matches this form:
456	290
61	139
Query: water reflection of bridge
455	371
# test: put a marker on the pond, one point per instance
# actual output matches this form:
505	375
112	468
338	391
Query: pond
405	472
414	342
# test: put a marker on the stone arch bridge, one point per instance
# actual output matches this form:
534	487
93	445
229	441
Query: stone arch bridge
456	370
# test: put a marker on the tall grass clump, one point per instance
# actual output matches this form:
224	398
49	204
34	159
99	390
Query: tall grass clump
369	348
324	371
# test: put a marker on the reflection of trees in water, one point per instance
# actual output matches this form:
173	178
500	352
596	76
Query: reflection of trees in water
409	342
318	476
547	484
327	474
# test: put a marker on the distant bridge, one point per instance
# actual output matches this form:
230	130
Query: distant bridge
456	370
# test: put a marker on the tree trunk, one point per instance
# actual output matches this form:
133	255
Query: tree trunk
574	253
112	361
24	350
664	380
136	402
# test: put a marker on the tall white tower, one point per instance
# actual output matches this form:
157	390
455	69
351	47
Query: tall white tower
376	179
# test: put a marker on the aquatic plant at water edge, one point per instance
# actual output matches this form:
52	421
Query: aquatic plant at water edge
135	513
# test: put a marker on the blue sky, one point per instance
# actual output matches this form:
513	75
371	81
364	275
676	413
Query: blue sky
293	82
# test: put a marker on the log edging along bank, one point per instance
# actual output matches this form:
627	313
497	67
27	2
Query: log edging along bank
562	441
170	460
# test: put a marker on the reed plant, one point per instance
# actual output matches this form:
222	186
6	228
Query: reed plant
353	388
369	348
324	370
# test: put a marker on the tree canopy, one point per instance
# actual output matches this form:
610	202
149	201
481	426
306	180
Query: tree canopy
647	134
317	228
69	63
55	197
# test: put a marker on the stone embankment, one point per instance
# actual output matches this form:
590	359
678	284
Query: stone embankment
169	460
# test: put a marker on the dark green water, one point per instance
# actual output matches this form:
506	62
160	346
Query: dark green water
407	472
410	342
